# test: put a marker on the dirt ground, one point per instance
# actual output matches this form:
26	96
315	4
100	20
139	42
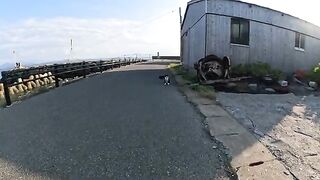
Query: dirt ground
288	125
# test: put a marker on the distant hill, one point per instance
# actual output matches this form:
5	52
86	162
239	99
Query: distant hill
6	66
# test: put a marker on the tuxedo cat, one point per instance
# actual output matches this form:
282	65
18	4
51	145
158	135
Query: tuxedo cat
166	79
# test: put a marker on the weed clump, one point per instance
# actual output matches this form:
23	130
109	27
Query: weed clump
257	70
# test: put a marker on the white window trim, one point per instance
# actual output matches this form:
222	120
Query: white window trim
300	41
249	24
299	49
240	45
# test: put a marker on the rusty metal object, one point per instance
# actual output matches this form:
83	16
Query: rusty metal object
213	68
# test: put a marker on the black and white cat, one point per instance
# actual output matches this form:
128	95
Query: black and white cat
166	79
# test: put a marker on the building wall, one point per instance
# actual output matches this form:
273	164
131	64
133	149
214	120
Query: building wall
193	14
193	38
272	37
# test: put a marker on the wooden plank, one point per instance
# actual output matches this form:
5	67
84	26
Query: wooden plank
226	80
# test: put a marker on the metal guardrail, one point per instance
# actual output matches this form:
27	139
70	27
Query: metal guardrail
58	71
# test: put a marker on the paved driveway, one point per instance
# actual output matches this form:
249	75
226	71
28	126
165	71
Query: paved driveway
122	124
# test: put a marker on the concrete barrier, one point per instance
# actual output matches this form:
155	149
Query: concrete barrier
27	85
38	81
21	87
13	90
51	78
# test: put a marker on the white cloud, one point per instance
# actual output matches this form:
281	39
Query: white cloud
307	9
42	40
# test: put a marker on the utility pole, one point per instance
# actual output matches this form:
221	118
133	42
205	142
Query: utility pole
180	29
71	49
180	14
14	56
206	28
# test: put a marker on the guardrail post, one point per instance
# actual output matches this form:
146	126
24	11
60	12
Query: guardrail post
100	66
6	89
84	69
56	79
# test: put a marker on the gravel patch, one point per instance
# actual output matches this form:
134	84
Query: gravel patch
288	125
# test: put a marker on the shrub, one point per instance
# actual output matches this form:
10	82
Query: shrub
260	69
189	77
314	74
240	70
179	70
257	70
277	74
300	74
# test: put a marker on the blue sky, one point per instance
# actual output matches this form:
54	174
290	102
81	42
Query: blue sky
40	30
13	10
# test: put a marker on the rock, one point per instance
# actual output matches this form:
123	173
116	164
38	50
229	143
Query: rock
270	90
231	85
310	89
267	80
313	84
283	83
253	87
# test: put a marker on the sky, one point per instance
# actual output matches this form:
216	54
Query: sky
40	31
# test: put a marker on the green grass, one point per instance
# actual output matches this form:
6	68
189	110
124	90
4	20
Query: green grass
177	69
2	102
187	76
257	70
314	74
205	91
192	81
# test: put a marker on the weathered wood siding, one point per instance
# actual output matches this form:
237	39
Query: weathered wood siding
272	36
193	39
193	14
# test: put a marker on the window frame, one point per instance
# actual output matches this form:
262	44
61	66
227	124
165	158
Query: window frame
242	41
301	44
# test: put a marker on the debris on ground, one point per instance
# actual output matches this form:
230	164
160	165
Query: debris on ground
213	68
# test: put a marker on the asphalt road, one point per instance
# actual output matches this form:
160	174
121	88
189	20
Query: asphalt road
119	125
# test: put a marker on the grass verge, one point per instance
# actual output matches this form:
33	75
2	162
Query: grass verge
2	103
191	81
204	91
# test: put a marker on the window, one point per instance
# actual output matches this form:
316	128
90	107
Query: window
240	30
300	42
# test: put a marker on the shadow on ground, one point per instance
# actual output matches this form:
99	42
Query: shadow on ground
288	125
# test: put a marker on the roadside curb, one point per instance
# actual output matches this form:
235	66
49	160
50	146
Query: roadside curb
250	158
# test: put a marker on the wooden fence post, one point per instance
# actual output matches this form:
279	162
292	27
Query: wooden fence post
6	88
100	65
84	69
56	79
